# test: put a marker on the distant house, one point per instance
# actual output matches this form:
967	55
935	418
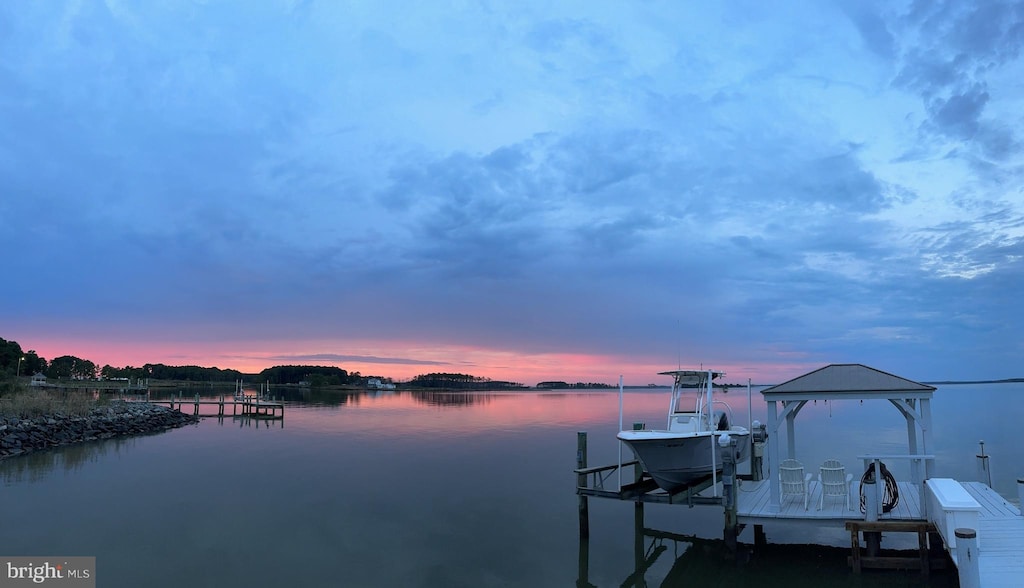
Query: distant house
38	379
377	384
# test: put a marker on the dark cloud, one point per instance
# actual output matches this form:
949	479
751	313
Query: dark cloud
873	29
958	115
954	47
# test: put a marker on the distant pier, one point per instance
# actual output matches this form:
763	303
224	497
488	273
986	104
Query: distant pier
254	405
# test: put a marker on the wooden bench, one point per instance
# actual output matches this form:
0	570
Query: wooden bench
922	562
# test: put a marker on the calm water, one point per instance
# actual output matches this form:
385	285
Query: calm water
439	490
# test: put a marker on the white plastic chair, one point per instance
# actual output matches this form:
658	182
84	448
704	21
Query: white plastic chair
794	481
834	481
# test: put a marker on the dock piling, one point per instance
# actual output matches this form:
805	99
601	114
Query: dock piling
984	472
872	539
967	558
729	489
1020	495
581	481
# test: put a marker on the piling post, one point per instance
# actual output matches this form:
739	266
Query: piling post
583	579
581	482
872	539
984	473
1020	495
967	558
760	539
729	488
638	543
638	506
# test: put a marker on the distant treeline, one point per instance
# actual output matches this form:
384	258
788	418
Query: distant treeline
460	382
314	375
558	385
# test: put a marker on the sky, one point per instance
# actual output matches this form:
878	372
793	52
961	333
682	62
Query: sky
522	190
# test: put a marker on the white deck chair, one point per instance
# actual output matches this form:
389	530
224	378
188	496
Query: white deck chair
794	481
834	481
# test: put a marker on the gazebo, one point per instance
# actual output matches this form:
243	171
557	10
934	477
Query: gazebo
851	381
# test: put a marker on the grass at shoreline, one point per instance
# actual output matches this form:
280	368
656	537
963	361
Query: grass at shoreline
18	401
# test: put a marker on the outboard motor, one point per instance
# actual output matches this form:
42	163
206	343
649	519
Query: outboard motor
720	422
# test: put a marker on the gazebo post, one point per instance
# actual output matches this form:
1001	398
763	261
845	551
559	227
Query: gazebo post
915	467
775	492
926	434
790	433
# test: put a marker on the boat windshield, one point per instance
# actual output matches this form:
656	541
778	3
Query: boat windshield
688	400
689	390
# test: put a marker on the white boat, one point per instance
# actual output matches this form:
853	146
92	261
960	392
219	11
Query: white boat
684	452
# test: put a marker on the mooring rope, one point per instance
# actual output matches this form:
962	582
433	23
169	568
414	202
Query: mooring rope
891	497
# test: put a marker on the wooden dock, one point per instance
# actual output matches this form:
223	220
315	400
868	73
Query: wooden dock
982	532
251	405
999	543
1000	532
1000	537
754	505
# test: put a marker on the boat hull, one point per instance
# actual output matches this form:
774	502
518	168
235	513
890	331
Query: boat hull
676	460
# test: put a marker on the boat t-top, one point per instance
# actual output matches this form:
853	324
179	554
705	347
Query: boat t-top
683	452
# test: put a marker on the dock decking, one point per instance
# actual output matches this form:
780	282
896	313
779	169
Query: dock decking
753	505
1000	523
250	405
1001	538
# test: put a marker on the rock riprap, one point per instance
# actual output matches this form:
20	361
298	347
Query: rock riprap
117	419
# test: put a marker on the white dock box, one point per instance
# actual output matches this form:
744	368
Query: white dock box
951	507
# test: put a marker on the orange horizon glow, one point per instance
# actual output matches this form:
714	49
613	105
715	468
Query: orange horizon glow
526	368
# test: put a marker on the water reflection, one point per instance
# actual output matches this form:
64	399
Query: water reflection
319	396
690	559
494	501
253	421
38	465
454	399
673	560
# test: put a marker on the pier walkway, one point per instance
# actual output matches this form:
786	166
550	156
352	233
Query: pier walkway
249	405
1000	538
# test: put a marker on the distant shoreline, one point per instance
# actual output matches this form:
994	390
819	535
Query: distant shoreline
947	382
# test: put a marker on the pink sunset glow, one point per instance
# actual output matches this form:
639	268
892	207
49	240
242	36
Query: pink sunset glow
521	367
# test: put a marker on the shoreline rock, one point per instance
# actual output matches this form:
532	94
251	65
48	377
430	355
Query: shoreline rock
19	436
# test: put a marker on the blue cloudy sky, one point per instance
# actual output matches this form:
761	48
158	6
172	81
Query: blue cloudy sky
518	190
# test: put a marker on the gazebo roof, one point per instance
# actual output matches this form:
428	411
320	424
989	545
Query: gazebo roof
847	380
